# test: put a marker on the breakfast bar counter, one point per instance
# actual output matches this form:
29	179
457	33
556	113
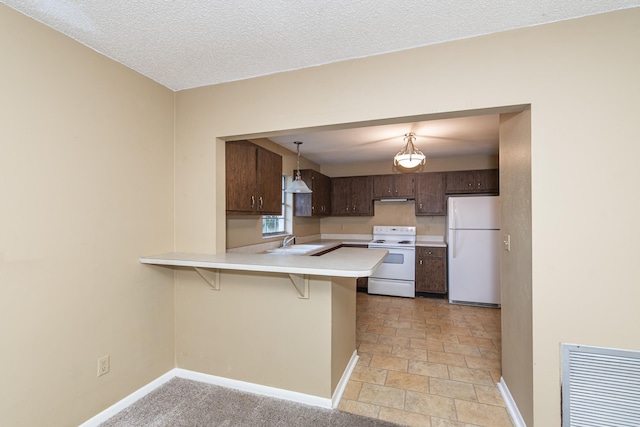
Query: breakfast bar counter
342	262
248	330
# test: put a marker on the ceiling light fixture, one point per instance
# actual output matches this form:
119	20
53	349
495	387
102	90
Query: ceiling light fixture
409	157
298	185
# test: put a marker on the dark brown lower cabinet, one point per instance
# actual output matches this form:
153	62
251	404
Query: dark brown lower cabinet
431	270
362	284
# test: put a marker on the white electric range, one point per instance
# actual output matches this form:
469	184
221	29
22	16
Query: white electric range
396	275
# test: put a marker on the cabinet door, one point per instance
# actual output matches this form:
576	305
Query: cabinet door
430	194
461	182
487	181
241	164
475	181
269	183
404	186
383	186
431	270
340	196
303	202
361	199
323	184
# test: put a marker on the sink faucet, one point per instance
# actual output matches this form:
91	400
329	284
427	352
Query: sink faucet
288	240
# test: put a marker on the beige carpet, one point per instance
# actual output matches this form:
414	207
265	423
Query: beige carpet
182	403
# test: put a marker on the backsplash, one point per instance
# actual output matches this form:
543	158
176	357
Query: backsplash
387	213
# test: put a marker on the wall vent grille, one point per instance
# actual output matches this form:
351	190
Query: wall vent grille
600	387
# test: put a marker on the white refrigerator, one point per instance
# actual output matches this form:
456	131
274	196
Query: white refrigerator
473	245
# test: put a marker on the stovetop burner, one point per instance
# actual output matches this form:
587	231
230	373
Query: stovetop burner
393	236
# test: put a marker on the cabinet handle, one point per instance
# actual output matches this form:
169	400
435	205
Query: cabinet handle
420	262
430	253
479	184
389	190
354	208
313	208
396	191
253	201
347	208
261	205
420	206
470	184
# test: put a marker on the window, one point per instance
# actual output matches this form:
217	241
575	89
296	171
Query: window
276	224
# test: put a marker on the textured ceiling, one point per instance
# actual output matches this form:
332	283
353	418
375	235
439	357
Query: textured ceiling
184	44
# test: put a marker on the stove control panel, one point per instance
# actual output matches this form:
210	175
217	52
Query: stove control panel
391	229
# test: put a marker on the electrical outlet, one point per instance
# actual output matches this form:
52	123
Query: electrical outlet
507	242
103	365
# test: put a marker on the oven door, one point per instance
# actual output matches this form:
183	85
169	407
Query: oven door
400	264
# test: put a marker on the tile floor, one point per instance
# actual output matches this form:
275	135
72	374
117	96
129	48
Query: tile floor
425	362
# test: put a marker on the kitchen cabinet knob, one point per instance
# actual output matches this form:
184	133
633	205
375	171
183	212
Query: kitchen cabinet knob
261	205
253	202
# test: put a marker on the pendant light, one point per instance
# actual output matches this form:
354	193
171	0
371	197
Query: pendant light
409	157
298	185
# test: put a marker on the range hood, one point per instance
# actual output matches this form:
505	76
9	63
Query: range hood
392	200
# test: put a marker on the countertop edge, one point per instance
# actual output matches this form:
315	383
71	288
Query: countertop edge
332	264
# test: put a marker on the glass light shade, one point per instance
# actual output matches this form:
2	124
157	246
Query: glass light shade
409	161
298	186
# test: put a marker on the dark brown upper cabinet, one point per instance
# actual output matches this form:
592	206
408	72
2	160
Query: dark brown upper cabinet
397	186
352	196
317	203
254	179
473	181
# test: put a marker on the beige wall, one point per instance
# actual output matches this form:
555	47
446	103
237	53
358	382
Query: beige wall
579	76
515	277
256	329
86	187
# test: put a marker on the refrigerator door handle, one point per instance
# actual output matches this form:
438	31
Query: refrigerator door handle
455	229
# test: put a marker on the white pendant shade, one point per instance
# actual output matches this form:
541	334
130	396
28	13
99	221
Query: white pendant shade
298	185
409	161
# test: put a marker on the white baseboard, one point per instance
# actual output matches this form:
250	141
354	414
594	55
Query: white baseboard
129	400
263	390
512	408
279	393
342	384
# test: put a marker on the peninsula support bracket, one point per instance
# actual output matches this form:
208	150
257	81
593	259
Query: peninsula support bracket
212	277
301	283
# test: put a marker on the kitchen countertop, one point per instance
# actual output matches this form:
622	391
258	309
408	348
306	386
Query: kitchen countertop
431	241
342	262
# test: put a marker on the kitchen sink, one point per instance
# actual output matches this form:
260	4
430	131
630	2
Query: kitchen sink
295	250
